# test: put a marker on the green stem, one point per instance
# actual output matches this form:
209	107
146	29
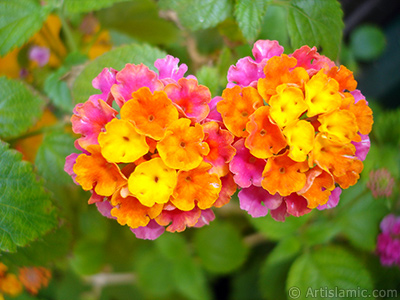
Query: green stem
70	40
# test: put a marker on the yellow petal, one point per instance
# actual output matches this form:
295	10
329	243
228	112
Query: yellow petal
300	137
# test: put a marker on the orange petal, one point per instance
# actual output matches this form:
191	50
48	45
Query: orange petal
265	138
322	94
340	125
344	77
363	114
196	187
94	171
129	211
182	146
283	175
151	113
152	182
300	138
352	174
332	156
320	184
121	143
287	105
221	149
236	106
278	70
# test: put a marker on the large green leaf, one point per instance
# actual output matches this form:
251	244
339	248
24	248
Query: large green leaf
117	59
19	108
26	211
220	248
316	23
58	91
199	14
276	267
81	6
329	272
249	14
19	20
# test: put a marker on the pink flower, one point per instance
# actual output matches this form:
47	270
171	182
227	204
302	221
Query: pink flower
388	242
381	183
40	55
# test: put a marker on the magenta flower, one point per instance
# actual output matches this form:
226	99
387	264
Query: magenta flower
388	243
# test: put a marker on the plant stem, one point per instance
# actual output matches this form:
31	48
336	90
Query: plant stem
70	40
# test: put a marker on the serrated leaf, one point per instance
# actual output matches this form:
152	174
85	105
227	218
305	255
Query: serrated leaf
19	20
26	211
274	26
249	15
276	267
117	59
328	269
220	247
316	23
19	108
199	14
82	6
58	91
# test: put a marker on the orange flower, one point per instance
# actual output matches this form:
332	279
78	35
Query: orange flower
363	114
196	187
334	157
300	138
340	125
182	146
352	174
221	149
278	70
10	285
344	77
151	113
94	171
34	278
121	143
265	138
318	187
129	211
287	105
283	175
322	94
152	182
236	106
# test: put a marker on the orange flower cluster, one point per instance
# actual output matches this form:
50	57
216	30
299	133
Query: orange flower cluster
154	163
302	120
9	283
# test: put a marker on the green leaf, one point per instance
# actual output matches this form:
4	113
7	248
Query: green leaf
172	246
52	246
276	267
88	257
220	248
249	14
320	232
82	6
199	14
367	42
274	26
26	211
19	20
316	23
139	19
58	91
50	157
19	108
209	77
278	230
359	217
117	59
328	270
154	273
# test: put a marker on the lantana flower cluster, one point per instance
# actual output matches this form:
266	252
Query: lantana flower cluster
301	130
157	161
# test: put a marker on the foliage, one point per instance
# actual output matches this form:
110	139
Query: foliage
44	216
